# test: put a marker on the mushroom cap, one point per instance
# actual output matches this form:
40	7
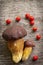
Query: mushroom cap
29	43
14	32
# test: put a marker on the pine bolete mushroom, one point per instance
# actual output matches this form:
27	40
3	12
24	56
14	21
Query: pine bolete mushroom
28	45
14	35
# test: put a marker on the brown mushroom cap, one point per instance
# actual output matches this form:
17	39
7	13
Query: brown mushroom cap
29	43
14	32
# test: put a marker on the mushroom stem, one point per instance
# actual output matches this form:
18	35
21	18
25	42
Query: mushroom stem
26	53
17	57
16	48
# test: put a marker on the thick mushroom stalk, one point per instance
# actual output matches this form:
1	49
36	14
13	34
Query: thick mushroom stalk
16	48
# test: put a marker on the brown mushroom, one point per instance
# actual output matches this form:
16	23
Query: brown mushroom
14	35
28	44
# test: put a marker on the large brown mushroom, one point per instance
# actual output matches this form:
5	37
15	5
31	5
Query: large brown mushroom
14	35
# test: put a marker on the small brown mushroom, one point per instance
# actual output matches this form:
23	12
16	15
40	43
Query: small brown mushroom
27	49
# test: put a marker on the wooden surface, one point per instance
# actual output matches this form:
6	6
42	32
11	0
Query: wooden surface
12	8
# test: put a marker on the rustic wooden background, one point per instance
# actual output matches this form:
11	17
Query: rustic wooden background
9	9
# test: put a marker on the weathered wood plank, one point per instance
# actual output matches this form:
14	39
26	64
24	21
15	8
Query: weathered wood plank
12	8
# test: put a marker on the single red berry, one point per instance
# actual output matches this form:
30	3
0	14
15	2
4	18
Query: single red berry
35	58
34	29
18	18
27	16
31	18
31	22
38	37
8	21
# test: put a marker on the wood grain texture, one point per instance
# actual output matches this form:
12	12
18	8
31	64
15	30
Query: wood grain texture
12	8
